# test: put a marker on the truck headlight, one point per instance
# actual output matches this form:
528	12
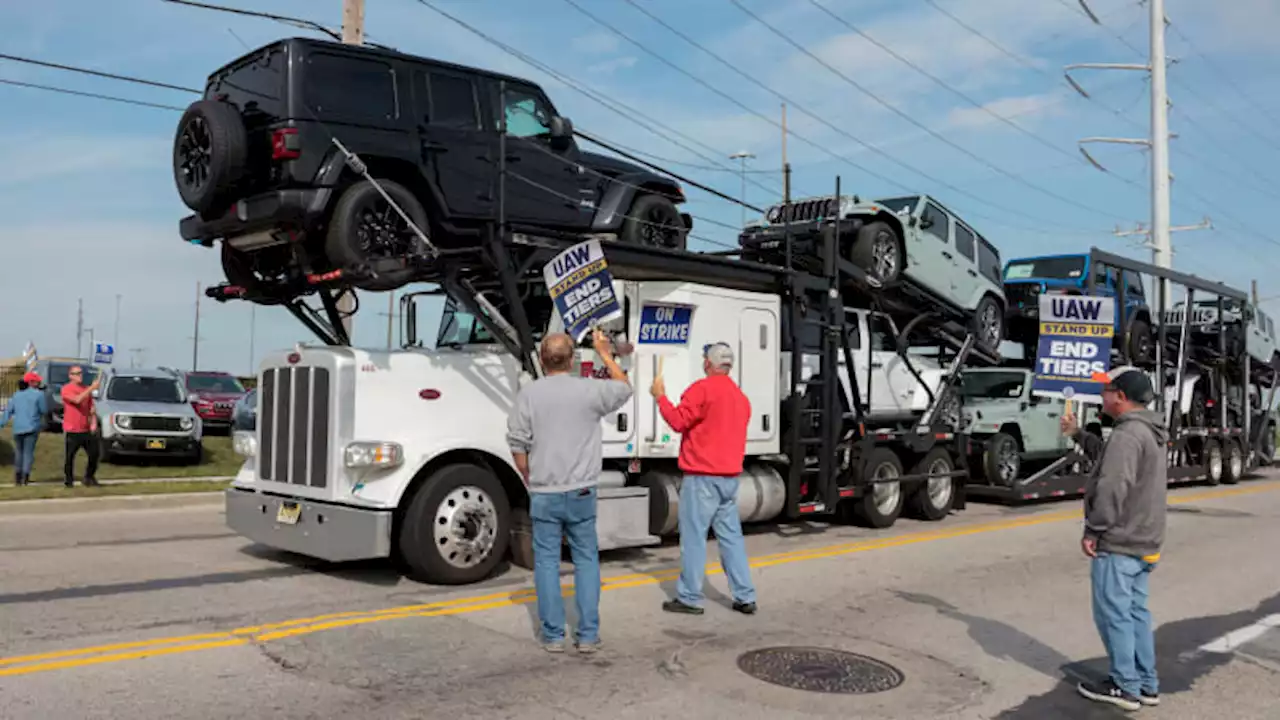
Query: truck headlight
123	421
186	423
244	443
373	454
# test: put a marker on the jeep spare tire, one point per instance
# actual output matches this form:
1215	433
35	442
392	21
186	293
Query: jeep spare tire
368	236
210	154
654	221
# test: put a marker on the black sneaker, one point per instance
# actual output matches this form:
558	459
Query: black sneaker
747	608
1150	699
675	606
1107	692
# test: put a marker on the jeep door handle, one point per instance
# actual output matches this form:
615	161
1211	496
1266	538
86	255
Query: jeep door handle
435	147
972	273
948	255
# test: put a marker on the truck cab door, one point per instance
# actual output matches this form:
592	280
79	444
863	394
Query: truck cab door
756	371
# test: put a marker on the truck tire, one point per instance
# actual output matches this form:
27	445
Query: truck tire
988	324
932	499
1233	463
457	527
1142	346
210	154
881	503
1001	460
1213	462
367	234
654	221
879	251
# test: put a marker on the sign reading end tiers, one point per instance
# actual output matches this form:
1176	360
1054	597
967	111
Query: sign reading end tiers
581	286
1074	352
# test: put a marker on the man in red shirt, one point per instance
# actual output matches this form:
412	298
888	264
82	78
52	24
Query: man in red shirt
712	418
80	426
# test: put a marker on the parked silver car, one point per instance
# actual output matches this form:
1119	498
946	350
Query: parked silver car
146	413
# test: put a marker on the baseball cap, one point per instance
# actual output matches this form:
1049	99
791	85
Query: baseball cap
1132	382
32	378
720	354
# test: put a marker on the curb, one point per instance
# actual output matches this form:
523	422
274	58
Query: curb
57	506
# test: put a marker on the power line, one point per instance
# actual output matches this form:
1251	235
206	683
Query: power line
98	73
910	119
1226	76
791	103
111	98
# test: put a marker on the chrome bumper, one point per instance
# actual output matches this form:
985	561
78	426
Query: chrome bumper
335	533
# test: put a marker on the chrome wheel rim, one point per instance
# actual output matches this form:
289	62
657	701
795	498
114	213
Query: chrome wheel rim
465	528
887	494
990	322
884	256
1007	463
940	486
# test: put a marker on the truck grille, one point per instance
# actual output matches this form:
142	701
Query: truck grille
803	210
293	430
1023	295
150	423
1199	316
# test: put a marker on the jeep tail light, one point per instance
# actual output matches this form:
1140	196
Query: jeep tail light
285	144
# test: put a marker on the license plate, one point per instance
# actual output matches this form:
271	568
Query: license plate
155	444
289	513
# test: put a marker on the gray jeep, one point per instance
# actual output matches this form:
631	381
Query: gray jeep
146	413
1011	426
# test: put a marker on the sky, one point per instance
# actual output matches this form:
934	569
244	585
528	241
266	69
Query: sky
961	99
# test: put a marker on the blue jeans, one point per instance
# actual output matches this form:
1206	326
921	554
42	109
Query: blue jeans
571	514
1123	620
24	452
706	502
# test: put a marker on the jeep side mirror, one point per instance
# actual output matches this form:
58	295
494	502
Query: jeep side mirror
913	221
561	132
926	223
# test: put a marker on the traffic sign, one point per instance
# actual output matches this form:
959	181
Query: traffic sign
103	353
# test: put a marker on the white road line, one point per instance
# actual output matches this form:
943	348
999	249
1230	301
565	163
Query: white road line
1234	639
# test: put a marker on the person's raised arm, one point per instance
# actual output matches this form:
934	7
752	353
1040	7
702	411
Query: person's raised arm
688	413
604	349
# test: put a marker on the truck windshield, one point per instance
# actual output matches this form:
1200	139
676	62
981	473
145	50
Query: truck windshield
144	389
459	327
993	385
1056	268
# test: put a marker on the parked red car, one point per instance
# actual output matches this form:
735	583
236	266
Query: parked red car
214	396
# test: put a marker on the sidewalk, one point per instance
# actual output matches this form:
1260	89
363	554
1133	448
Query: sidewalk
55	506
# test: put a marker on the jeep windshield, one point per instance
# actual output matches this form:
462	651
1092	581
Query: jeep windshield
1056	268
906	203
992	385
144	389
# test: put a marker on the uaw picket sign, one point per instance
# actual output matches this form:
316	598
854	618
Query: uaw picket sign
579	282
664	324
1074	353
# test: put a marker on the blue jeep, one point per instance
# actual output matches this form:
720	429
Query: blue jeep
1026	279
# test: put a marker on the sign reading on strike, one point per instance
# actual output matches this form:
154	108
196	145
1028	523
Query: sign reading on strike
579	282
1074	354
664	324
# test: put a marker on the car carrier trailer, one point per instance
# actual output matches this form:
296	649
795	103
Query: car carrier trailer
1221	446
360	454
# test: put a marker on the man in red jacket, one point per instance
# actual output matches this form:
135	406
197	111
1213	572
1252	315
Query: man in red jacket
712	418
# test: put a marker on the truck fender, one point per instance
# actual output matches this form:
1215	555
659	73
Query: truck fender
418	470
621	193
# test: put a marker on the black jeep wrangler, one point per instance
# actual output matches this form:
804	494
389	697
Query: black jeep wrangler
255	160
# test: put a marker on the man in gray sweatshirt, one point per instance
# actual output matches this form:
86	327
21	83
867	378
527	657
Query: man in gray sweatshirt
554	434
1125	501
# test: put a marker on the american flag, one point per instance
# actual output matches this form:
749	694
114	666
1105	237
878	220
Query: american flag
31	356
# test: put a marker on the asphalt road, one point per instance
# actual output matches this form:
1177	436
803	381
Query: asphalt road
163	613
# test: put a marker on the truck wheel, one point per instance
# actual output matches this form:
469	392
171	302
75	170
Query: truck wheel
933	498
881	503
1001	461
1213	463
654	221
878	250
1233	463
1142	347
367	234
210	154
987	324
457	526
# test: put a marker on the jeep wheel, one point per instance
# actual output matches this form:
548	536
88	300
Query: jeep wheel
987	324
878	250
1142	347
933	498
210	153
654	221
368	236
1001	462
456	529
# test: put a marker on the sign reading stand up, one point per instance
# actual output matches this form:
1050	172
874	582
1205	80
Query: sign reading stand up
581	286
1074	354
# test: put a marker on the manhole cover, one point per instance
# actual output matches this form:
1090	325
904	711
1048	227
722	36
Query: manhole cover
820	670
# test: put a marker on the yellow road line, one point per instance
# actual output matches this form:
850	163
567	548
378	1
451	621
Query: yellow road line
42	662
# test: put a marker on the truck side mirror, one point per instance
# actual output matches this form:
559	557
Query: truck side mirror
561	132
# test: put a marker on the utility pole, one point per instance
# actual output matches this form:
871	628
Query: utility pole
742	157
1253	291
115	330
786	166
253	317
352	34
1142	230
79	326
195	338
1157	66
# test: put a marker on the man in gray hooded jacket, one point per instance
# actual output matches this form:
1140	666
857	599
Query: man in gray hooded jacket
1125	502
